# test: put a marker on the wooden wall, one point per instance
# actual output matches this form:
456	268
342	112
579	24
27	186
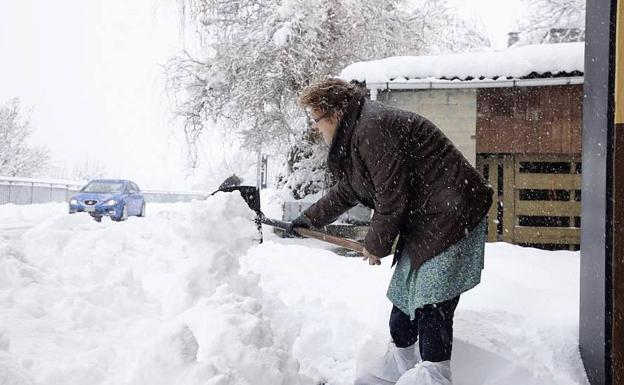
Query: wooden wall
530	120
534	206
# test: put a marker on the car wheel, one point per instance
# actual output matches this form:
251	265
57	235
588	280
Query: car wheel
123	216
142	213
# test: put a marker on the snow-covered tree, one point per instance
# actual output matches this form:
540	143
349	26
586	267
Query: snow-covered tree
552	21
257	55
444	29
305	172
17	157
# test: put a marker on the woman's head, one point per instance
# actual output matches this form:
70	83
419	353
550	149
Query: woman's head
325	102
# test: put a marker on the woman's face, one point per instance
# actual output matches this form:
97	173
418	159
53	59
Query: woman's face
325	122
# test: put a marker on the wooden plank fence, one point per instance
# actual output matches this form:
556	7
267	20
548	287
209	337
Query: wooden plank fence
537	199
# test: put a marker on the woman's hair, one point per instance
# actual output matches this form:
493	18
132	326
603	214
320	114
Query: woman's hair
329	96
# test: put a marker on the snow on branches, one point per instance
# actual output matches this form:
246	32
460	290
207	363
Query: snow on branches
565	19
256	56
17	158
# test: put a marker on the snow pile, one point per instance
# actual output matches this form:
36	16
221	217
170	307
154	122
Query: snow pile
156	300
515	62
339	304
19	216
185	296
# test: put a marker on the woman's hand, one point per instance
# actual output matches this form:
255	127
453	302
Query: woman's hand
372	259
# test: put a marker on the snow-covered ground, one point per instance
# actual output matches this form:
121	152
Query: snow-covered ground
185	296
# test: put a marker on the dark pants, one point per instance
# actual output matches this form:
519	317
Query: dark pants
432	327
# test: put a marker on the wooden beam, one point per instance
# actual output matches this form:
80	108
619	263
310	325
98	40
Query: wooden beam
509	198
492	163
554	235
549	208
573	200
549	181
548	158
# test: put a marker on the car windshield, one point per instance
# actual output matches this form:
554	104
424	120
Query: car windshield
103	187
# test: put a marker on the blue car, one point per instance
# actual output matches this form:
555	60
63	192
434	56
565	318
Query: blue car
115	198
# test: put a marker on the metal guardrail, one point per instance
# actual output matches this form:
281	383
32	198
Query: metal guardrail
155	196
25	191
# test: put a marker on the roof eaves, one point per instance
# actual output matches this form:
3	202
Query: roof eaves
477	83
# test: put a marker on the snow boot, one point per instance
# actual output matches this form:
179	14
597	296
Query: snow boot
428	373
386	370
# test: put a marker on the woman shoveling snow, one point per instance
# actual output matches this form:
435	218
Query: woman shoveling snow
429	207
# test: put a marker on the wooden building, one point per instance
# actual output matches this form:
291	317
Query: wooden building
529	148
516	115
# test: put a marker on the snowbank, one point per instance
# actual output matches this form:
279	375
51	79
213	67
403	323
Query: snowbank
185	296
515	62
21	216
158	300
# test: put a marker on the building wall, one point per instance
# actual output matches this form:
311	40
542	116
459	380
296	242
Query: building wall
454	111
530	120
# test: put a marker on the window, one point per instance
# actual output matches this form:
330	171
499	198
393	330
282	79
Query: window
103	187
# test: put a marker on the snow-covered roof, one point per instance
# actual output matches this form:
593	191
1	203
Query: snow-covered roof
526	62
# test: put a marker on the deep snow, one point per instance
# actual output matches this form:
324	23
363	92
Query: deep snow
185	296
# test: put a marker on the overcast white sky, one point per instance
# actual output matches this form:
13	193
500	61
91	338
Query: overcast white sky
499	17
91	71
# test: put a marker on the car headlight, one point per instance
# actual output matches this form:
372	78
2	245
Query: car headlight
73	201
111	202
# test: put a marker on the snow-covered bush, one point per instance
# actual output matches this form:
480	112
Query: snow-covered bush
305	170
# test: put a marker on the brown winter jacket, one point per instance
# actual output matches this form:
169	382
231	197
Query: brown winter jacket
402	166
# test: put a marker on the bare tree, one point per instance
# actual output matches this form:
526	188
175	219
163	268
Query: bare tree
17	157
88	170
444	29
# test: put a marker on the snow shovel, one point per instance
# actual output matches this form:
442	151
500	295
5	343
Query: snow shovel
251	195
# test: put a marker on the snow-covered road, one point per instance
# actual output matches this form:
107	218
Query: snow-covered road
185	296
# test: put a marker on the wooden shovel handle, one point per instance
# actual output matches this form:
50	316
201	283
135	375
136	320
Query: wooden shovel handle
338	241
